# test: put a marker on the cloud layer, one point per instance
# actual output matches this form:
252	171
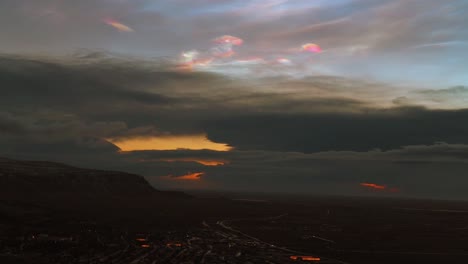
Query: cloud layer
312	135
418	41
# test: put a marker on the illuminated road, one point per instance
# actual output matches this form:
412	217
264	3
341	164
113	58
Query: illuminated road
225	227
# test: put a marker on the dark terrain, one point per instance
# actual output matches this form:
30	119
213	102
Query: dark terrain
54	213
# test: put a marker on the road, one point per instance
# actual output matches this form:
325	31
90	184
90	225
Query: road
223	224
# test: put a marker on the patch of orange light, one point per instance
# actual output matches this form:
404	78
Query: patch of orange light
311	47
173	244
193	142
305	258
200	161
141	239
117	25
197	176
374	186
191	176
145	246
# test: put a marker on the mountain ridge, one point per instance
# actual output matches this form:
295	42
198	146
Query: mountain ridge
45	177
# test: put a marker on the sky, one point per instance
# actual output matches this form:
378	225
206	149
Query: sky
339	97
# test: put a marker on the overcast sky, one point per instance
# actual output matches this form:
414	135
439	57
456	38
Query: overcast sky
347	97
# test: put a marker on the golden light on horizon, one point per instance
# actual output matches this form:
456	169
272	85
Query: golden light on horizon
191	176
192	142
196	176
380	187
200	161
305	258
373	186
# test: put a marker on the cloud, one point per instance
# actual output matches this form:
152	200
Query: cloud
448	98
297	121
304	135
415	171
454	96
107	96
117	25
315	132
354	32
373	185
196	176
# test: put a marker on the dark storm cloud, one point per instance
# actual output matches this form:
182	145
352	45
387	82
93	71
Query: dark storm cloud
110	97
435	153
287	132
373	129
100	95
310	134
92	97
46	81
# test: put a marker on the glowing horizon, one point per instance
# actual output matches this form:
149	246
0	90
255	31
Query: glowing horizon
205	162
192	142
196	176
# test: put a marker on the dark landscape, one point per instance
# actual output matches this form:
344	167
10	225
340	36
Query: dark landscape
91	216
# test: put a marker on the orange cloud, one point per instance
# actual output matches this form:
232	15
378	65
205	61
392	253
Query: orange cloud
374	186
378	187
193	142
200	161
117	25
196	176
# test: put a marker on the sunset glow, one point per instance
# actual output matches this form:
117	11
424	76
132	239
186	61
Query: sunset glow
191	176
305	258
193	142
374	186
233	131
350	97
195	176
200	161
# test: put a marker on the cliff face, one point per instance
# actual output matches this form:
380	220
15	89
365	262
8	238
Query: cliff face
48	178
53	194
